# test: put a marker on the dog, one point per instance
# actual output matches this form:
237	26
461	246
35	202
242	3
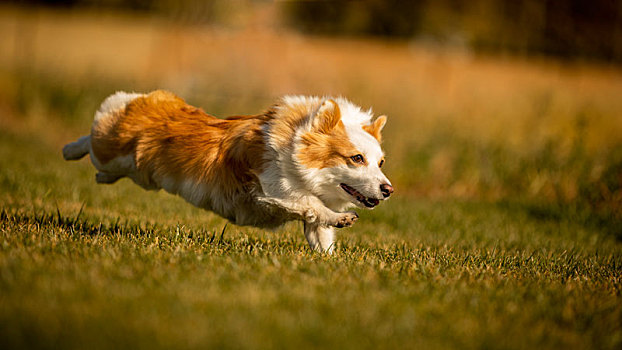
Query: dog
305	158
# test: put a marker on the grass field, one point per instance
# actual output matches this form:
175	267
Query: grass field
134	269
504	232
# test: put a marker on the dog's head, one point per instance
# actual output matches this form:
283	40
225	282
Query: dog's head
342	158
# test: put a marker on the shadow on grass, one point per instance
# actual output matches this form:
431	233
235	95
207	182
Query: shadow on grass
82	227
218	240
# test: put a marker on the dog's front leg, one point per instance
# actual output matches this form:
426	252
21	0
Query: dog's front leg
320	238
311	210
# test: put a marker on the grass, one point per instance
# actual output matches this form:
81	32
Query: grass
68	284
119	267
504	232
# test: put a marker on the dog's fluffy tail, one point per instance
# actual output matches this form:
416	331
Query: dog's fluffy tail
78	149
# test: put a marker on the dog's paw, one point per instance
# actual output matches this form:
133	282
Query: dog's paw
346	219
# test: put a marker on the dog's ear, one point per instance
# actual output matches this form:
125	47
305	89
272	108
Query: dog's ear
376	127
327	117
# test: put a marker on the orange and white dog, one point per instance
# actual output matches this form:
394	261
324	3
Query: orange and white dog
305	158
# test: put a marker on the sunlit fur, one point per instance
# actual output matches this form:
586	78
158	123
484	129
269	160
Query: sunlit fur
287	163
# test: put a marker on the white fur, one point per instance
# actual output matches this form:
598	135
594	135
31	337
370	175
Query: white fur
114	103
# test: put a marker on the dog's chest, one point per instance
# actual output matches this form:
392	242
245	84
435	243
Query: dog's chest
243	208
260	216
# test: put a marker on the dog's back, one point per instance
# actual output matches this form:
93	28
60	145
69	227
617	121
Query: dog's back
159	141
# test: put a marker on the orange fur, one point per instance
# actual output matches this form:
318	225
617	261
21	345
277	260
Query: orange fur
327	117
327	145
292	116
375	127
170	138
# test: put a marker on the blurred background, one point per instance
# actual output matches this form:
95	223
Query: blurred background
516	102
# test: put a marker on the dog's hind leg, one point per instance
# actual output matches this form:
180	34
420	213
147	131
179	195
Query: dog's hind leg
78	149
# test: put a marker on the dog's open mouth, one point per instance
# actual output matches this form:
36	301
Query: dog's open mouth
368	202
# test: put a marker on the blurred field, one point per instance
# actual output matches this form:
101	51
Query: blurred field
504	233
460	124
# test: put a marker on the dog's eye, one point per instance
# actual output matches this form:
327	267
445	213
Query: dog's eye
381	163
358	159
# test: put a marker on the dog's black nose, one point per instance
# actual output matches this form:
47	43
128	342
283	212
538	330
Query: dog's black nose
386	190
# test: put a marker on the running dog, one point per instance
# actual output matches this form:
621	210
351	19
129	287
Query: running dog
305	158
